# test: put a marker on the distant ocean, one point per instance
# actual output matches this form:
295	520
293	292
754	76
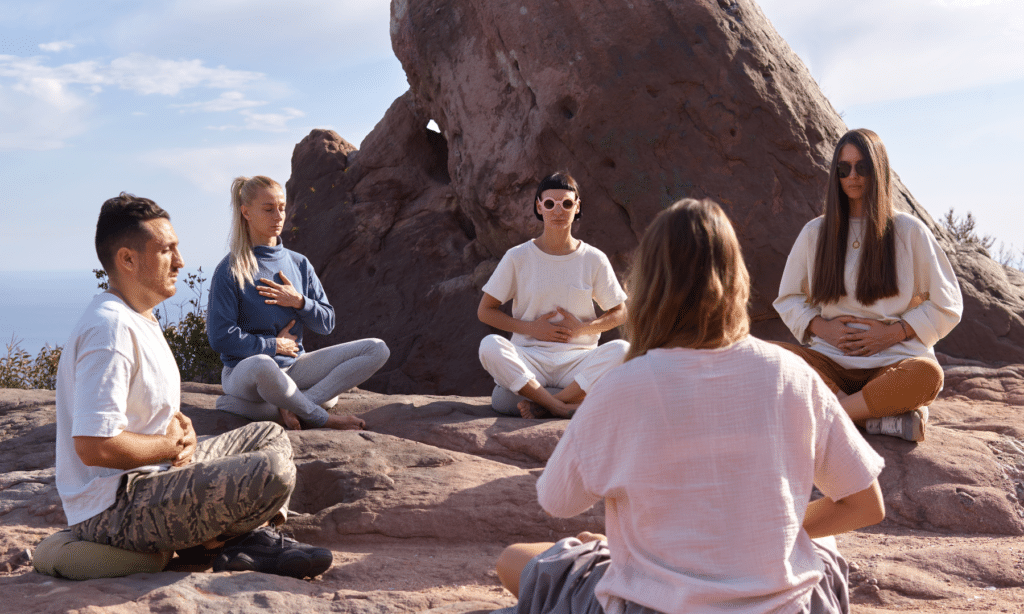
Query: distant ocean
41	307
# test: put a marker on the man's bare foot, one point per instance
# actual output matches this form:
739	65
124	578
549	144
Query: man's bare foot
587	536
345	423
531	410
290	420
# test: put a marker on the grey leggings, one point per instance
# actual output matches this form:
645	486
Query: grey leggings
256	387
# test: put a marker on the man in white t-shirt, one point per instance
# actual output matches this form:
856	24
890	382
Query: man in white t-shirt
130	471
553	281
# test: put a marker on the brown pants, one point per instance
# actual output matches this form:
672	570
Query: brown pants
893	389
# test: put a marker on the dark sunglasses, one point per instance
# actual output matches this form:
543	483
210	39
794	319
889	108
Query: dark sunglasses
863	169
567	204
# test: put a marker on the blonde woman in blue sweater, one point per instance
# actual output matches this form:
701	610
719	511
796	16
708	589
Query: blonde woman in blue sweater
262	297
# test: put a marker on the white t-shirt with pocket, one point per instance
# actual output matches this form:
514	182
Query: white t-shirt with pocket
538	283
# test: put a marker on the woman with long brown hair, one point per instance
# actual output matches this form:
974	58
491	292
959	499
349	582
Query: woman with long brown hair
870	292
704	445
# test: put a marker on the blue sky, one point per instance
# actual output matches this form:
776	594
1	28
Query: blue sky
172	99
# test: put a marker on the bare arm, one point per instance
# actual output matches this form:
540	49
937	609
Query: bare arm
490	313
827	517
128	450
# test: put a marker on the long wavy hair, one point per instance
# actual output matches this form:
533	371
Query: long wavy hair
242	262
688	284
876	273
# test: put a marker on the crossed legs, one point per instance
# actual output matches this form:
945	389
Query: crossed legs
529	371
236	482
876	393
514	558
541	403
260	390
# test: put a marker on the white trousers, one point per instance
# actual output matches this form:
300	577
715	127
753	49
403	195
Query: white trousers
512	367
256	386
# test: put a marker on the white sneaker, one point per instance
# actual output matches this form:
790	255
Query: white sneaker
909	426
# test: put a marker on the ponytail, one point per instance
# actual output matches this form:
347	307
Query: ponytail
242	260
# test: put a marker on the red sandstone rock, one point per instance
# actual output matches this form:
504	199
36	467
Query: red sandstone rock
417	509
644	102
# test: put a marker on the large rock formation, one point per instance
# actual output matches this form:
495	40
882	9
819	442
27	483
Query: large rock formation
644	102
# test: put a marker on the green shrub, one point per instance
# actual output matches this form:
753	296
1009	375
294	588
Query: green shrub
19	370
963	230
191	348
186	337
964	233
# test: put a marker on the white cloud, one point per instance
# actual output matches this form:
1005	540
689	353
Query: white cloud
227	101
148	75
271	122
50	92
42	106
339	33
961	3
879	50
135	72
267	122
39	115
57	46
212	169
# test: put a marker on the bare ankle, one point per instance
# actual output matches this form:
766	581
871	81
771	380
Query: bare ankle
345	423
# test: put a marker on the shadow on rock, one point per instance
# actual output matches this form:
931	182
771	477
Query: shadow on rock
472	428
355	483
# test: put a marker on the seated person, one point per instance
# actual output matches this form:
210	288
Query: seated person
262	297
131	473
705	446
871	291
553	358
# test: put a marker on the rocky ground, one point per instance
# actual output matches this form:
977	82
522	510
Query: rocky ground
417	508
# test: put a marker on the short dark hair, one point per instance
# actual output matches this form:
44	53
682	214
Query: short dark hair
557	181
121	225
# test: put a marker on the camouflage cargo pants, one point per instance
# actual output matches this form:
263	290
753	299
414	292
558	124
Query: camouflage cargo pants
236	482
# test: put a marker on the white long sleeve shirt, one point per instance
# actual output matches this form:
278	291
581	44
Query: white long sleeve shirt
929	298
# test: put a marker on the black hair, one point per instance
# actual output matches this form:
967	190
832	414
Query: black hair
121	225
557	181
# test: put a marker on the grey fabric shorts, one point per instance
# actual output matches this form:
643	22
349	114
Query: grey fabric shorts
561	580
